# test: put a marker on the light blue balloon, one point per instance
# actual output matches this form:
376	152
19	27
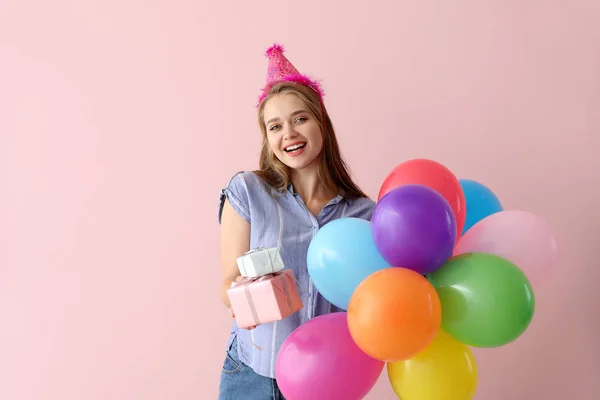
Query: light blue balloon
480	200
340	256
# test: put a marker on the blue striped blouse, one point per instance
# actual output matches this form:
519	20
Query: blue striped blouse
283	219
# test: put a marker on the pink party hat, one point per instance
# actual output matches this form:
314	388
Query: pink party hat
280	69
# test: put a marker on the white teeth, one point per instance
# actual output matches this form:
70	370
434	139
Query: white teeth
294	147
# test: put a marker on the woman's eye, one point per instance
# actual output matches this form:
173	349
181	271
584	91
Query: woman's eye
301	119
273	127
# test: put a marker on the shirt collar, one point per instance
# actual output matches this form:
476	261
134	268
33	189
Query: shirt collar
332	202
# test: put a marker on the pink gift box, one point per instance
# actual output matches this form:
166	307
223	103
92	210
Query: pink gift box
271	297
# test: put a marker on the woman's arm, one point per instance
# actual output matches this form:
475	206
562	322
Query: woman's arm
235	242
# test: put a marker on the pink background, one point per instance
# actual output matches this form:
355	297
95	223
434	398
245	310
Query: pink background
120	121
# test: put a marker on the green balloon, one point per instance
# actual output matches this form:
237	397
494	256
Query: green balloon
487	301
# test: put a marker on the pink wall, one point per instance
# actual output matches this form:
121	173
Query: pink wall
121	120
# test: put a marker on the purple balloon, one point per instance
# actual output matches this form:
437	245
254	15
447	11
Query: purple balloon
414	227
320	360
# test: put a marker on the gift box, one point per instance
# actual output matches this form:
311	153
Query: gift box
269	298
259	262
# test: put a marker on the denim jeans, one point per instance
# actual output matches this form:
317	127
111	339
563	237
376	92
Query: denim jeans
240	382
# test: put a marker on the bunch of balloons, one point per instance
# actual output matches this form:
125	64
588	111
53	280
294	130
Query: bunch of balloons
441	267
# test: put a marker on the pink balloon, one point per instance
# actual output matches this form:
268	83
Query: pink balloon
519	236
320	360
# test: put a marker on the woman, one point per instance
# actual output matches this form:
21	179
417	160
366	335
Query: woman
302	184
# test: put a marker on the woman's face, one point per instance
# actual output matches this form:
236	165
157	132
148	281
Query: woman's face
292	131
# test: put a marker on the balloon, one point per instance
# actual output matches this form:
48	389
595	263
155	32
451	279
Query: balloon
487	301
414	227
394	314
319	360
519	236
340	256
480	202
446	369
431	174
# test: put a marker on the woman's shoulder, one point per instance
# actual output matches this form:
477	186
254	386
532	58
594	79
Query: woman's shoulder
247	181
362	202
243	189
361	207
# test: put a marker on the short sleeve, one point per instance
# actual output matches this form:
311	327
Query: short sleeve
236	191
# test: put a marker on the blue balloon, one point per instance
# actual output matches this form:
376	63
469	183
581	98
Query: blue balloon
340	256
480	202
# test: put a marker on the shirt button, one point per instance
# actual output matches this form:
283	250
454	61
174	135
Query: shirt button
309	295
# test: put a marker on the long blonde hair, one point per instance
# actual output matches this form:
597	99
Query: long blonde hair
333	171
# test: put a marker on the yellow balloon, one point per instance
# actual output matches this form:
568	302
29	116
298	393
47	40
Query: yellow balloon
446	369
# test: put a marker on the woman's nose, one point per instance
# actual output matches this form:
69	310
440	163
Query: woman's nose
289	132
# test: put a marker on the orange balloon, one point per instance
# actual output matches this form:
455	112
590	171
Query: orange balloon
394	314
433	175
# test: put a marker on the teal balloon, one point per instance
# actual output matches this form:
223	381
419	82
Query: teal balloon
480	202
340	256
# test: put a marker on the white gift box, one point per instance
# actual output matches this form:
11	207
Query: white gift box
259	262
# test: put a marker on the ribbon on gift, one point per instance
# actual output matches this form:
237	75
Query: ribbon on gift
251	300
286	291
272	259
256	249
